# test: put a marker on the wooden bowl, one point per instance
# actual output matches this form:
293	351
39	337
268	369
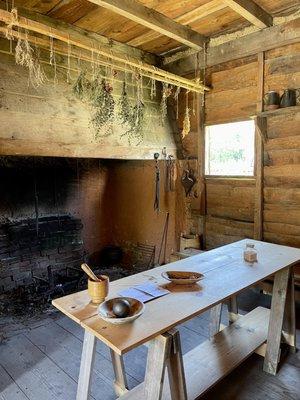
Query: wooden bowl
98	290
182	277
105	310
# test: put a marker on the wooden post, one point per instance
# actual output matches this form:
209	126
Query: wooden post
289	322
176	369
276	321
259	152
86	366
215	319
120	383
158	353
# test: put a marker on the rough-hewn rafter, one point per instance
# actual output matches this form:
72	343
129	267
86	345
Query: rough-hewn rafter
185	19
154	20
251	11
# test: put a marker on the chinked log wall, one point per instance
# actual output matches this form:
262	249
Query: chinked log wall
230	204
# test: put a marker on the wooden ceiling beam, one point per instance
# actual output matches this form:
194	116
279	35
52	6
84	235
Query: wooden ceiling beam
185	19
267	39
251	11
154	20
80	34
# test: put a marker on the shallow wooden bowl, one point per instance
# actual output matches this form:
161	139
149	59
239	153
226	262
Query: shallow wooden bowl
105	311
182	277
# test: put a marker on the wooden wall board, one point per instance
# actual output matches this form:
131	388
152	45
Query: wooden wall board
249	45
51	121
233	95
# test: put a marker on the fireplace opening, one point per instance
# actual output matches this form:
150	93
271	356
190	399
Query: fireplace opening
55	215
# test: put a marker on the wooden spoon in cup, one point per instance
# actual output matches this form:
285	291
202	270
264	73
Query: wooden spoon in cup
90	273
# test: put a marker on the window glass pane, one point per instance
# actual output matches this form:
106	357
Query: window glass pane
229	149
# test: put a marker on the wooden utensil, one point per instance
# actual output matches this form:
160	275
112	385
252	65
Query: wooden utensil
90	273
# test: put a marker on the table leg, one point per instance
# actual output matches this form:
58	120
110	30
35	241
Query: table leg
233	312
289	322
120	383
215	320
158	353
176	369
276	321
86	366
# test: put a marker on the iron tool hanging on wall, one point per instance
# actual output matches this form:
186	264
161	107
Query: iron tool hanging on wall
170	174
188	180
157	183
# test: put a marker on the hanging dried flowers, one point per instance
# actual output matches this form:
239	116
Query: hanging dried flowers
137	131
153	89
125	113
104	107
176	95
186	121
81	86
166	92
28	57
131	117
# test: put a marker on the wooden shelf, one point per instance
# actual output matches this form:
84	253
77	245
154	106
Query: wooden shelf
211	361
279	111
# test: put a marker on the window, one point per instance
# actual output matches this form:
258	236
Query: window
229	149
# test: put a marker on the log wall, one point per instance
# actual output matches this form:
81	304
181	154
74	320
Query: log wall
230	204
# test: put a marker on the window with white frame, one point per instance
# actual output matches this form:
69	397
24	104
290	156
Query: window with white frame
229	149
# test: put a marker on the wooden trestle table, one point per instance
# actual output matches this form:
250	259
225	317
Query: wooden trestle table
225	275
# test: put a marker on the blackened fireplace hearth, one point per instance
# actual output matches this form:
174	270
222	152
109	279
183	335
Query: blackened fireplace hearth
50	222
34	250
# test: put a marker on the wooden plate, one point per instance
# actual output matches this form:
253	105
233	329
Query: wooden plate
182	277
105	311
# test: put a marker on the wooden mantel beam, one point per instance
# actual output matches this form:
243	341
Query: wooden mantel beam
251	11
154	20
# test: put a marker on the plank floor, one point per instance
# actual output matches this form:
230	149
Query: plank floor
43	363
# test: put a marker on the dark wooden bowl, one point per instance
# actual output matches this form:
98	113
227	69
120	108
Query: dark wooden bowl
105	310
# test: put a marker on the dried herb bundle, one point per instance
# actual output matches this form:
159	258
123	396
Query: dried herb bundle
166	92
125	112
28	57
104	107
81	86
186	123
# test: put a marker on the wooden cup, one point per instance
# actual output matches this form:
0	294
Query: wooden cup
98	290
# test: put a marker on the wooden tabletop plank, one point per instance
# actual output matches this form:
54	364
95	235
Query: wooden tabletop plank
225	272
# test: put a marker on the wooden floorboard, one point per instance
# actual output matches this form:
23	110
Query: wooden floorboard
37	376
9	390
43	364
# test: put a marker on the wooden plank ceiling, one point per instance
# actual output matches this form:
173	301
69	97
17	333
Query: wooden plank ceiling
207	17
